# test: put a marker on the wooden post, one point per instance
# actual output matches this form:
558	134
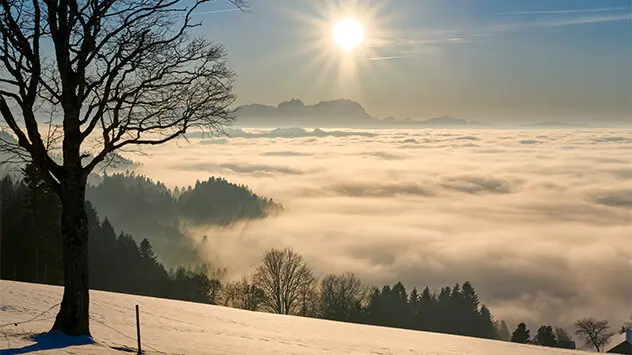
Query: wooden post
140	351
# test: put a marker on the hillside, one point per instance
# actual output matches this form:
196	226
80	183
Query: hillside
175	327
147	209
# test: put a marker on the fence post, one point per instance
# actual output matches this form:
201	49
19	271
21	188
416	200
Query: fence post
140	351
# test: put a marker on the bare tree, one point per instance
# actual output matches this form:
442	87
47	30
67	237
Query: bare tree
562	335
242	294
119	74
342	296
308	305
594	333
282	275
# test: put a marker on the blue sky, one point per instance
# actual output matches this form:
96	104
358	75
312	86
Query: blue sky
485	59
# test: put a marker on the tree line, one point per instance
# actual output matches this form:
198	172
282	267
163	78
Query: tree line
595	334
285	284
31	248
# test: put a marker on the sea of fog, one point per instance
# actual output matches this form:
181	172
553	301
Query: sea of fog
539	220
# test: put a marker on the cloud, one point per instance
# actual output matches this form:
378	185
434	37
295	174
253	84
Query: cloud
285	154
469	138
387	190
529	141
571	11
386	155
221	11
424	40
542	231
614	139
390	57
477	185
241	168
293	133
619	198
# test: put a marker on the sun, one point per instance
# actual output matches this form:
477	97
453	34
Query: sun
348	34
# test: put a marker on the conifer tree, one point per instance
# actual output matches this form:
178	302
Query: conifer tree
521	334
545	336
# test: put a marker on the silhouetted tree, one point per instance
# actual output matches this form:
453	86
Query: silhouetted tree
545	336
118	79
398	306
146	251
427	318
12	213
594	333
252	297
342	297
42	219
414	305
562	335
308	305
242	294
521	334
486	327
281	276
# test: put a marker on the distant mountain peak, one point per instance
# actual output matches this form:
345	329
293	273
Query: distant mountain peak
332	113
293	103
296	110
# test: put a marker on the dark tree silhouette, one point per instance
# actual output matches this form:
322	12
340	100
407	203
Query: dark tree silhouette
342	297
122	74
545	336
562	335
521	334
594	333
282	276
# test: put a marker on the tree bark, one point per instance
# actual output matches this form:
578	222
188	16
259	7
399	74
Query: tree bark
73	316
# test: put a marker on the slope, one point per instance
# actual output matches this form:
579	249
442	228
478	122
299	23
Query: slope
174	327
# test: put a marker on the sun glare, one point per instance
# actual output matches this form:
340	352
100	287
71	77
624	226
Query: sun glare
348	34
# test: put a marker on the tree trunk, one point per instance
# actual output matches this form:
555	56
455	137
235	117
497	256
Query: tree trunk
73	316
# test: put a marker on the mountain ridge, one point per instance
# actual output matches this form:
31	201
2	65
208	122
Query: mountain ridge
337	113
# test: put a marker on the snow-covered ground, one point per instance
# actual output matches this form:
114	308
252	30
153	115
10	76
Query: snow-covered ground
174	327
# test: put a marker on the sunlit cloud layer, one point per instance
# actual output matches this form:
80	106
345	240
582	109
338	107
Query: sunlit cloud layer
540	221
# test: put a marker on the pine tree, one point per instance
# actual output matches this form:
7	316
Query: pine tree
398	305
443	322
469	296
521	334
146	251
486	325
545	336
414	308
42	208
427	310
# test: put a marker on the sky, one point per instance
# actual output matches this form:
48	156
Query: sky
493	60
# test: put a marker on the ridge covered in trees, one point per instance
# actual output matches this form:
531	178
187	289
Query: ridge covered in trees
130	203
148	209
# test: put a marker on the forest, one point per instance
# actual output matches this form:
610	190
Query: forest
147	209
